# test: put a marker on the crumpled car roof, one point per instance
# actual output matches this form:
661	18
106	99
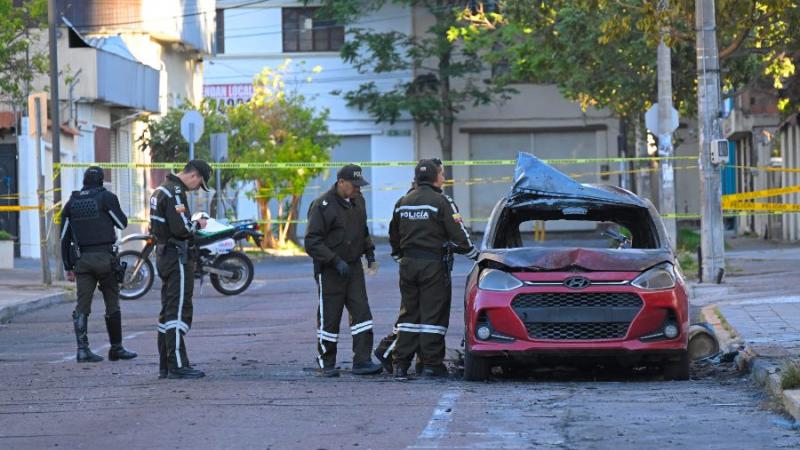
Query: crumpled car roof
533	176
534	182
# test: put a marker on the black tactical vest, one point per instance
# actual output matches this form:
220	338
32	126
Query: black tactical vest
89	218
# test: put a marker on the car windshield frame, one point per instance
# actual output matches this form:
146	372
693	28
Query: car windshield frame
638	220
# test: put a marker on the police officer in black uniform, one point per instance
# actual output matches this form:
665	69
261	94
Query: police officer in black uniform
89	255
425	225
173	231
385	349
336	238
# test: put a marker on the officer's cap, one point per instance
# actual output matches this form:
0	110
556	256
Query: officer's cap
426	171
353	174
202	168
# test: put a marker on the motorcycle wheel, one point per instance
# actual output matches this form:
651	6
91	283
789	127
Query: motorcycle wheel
241	266
133	288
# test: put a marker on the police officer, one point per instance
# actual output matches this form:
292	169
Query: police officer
336	238
385	349
173	231
89	255
425	225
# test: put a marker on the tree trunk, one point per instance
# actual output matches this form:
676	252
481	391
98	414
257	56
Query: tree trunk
447	118
291	220
266	217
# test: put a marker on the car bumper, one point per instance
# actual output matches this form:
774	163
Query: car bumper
656	308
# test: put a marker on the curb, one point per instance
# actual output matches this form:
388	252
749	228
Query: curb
764	373
8	313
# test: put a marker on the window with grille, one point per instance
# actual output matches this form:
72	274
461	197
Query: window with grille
303	32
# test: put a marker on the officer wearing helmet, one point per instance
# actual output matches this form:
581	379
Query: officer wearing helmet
89	256
425	225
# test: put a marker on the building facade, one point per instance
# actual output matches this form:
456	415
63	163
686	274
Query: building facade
538	119
119	62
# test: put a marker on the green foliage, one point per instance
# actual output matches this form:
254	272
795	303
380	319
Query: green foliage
449	77
603	52
277	125
6	236
21	60
688	239
790	376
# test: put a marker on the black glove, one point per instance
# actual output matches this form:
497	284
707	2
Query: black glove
342	267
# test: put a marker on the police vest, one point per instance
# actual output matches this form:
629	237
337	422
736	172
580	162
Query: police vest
89	218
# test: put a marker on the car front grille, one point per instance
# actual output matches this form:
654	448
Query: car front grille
577	315
578	300
583	331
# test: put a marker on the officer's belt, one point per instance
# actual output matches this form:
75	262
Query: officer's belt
419	253
101	248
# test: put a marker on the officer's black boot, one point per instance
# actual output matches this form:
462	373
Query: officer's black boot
419	366
114	327
162	356
400	373
80	322
329	372
366	368
435	372
386	362
185	373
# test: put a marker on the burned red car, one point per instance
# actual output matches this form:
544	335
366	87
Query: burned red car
576	271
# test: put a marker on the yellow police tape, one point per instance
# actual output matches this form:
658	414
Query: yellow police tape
337	164
761	194
15	208
752	206
738	201
678	216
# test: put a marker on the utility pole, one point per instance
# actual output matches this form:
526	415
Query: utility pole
708	98
46	277
52	19
666	192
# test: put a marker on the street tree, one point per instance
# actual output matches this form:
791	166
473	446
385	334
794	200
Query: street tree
602	52
22	57
276	125
279	125
447	77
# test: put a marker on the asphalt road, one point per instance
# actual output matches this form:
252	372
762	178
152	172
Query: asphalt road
261	391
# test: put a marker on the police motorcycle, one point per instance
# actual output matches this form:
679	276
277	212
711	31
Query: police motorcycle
214	252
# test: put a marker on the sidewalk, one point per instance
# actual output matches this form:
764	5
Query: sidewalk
22	291
757	311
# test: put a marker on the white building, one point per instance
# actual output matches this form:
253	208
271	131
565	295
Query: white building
123	61
538	119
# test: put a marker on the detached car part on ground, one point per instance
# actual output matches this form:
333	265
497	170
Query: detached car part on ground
231	272
623	298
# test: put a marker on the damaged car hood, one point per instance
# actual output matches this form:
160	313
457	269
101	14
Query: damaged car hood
565	258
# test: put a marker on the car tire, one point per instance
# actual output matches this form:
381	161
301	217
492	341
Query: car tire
476	368
677	370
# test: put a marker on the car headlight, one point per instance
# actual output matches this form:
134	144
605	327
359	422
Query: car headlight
661	276
497	280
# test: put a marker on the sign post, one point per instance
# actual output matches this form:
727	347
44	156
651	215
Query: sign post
191	130
219	152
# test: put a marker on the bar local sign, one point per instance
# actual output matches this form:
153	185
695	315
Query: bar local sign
229	94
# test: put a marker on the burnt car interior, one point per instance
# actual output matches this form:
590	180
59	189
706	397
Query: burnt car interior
591	224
